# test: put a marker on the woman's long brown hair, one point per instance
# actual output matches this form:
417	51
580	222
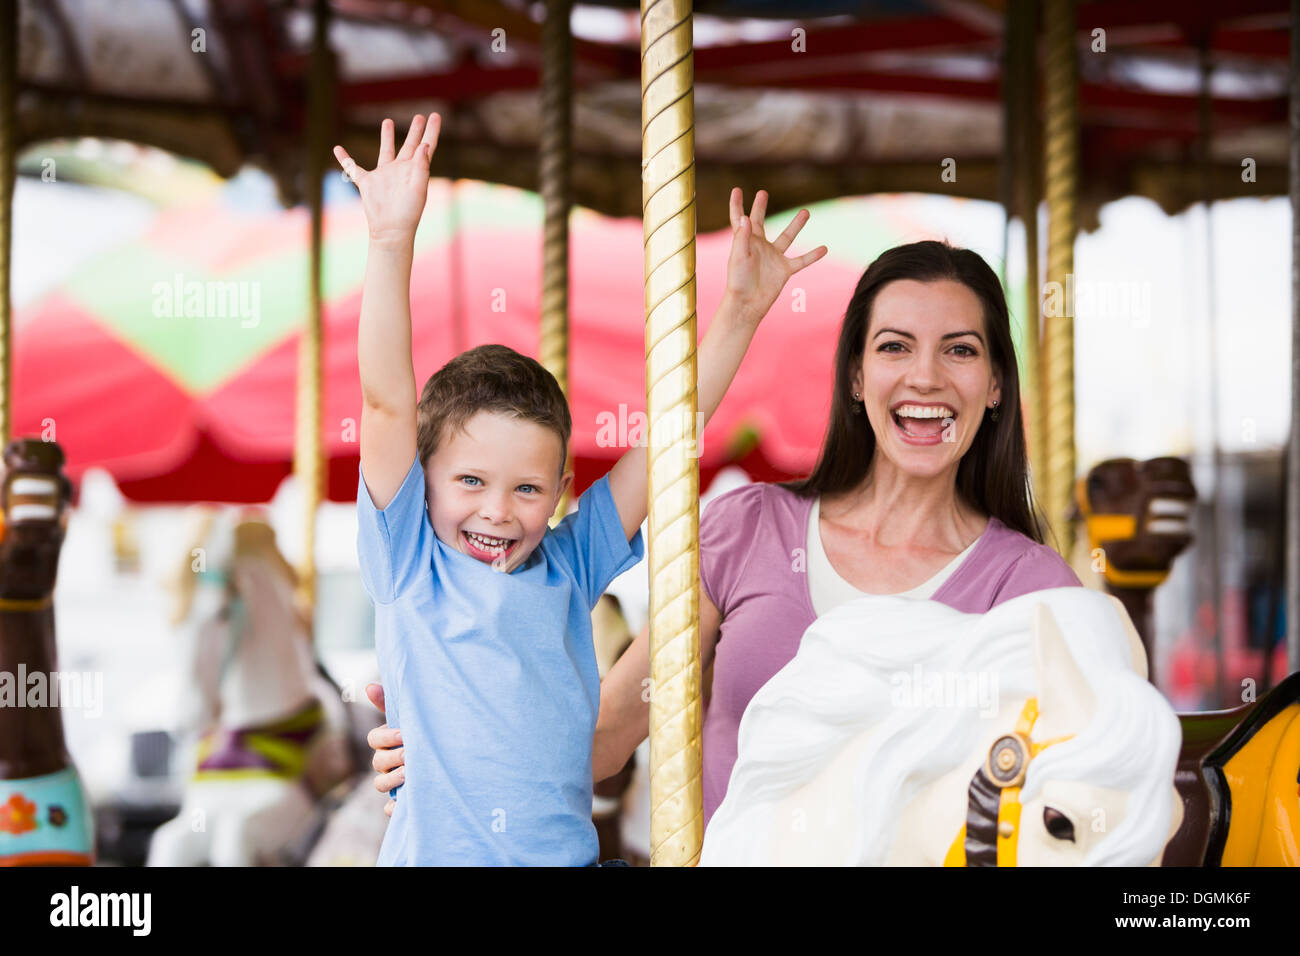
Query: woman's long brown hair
993	475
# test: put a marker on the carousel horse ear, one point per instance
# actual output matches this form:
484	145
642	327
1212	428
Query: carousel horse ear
197	525
1134	639
1065	702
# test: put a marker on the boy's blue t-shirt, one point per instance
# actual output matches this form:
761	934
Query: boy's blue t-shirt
492	679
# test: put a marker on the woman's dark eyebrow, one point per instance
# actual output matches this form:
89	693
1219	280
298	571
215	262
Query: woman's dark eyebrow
950	335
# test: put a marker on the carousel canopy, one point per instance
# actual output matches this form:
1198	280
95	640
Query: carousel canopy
852	98
216	380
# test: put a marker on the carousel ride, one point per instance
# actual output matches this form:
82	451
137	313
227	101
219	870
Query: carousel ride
1235	766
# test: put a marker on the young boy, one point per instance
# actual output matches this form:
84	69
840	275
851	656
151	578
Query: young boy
482	612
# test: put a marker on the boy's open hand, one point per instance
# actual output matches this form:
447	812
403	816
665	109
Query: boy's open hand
394	192
757	269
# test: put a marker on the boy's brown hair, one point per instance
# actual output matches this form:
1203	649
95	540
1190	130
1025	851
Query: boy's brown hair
489	378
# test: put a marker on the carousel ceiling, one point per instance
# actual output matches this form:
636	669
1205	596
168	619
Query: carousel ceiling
852	98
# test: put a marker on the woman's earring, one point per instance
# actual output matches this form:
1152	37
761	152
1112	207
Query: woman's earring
994	416
857	404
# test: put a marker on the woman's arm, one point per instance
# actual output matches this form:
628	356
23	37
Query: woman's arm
388	763
757	271
623	723
624	719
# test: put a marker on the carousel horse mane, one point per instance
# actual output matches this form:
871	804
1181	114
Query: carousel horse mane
220	538
197	527
859	673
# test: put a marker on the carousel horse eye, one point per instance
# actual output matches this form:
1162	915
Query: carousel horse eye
1058	824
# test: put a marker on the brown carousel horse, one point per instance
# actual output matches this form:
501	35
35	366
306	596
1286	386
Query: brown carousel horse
1239	770
44	815
1136	517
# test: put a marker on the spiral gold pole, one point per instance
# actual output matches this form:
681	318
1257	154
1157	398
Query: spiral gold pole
1062	150
556	149
1023	67
8	165
668	205
308	458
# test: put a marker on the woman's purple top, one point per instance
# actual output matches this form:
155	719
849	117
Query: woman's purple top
750	539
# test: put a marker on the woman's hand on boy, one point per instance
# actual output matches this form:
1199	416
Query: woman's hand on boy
393	194
757	269
389	763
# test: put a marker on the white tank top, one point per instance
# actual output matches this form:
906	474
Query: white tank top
828	590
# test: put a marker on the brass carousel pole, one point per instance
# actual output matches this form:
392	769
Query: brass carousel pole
308	463
1062	151
1023	65
556	150
1217	532
8	165
1293	444
1007	162
668	210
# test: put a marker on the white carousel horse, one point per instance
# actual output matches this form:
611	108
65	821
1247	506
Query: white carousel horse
272	738
906	733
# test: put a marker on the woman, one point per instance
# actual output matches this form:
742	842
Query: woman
921	489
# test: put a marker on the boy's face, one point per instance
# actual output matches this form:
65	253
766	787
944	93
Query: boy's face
493	487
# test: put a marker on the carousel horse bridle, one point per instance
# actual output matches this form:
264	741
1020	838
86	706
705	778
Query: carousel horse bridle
991	833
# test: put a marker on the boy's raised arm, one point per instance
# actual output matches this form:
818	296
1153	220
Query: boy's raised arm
757	271
388	400
393	195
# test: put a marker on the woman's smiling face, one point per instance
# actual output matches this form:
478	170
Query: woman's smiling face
926	378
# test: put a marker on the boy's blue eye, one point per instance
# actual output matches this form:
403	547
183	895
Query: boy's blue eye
529	489
469	478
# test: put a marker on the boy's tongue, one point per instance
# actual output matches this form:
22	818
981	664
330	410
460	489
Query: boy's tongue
477	550
922	427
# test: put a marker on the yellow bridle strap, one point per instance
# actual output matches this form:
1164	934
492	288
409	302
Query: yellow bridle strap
1134	579
1028	716
1112	527
1008	826
956	855
1009	802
